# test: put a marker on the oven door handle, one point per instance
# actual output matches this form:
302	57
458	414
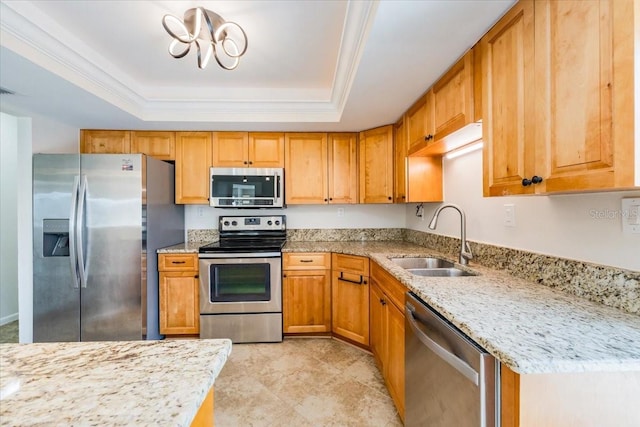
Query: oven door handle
240	255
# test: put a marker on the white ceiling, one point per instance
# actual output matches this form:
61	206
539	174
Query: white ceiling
310	65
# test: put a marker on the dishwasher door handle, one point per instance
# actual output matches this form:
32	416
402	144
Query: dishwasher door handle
457	363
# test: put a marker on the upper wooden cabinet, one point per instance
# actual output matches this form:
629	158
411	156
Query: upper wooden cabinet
559	98
160	145
320	168
416	179
400	147
419	121
193	160
105	141
453	98
508	125
248	149
376	165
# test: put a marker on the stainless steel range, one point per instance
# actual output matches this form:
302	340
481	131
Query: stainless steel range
241	280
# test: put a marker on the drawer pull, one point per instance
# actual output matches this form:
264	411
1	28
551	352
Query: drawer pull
306	260
361	282
178	262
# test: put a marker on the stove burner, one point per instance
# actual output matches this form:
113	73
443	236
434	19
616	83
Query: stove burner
265	233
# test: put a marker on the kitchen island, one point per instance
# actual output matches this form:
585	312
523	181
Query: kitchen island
166	383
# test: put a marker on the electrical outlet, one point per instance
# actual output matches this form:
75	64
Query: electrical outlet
200	211
630	215
340	211
509	215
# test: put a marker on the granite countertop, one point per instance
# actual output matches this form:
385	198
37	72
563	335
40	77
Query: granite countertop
529	327
108	383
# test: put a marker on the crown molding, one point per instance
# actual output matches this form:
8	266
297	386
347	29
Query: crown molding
30	33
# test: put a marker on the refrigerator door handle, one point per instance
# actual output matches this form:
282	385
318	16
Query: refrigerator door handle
79	232
73	258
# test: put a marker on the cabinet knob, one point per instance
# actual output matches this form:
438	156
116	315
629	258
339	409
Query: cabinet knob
325	200
390	198
250	162
382	301
196	276
245	162
284	275
534	180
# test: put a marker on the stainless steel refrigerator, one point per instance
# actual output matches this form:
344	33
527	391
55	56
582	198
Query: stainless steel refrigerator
98	220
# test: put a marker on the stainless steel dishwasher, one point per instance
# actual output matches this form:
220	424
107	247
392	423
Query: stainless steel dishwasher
450	380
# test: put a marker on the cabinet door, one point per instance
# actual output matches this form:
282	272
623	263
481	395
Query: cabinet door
306	301
377	324
160	145
400	148
179	304
418	121
193	160
376	165
306	167
266	149
424	179
230	149
343	168
453	98
394	367
508	102
350	306
105	141
575	80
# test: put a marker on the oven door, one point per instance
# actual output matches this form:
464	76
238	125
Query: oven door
240	283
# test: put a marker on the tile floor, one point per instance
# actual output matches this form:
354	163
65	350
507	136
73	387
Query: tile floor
9	332
302	382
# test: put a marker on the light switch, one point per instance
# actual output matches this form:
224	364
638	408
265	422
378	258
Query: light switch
509	215
630	215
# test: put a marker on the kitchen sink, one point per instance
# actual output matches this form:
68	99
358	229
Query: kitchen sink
422	263
430	267
440	272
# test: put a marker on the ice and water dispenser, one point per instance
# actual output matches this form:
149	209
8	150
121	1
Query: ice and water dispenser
55	237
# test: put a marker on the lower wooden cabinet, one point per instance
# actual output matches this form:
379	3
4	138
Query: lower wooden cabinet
306	293
387	331
350	297
179	289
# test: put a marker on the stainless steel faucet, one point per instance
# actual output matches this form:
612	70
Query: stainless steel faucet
465	250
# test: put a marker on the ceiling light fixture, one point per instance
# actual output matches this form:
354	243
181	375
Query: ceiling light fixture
211	34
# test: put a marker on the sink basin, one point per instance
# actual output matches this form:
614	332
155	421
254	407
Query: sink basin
422	263
439	272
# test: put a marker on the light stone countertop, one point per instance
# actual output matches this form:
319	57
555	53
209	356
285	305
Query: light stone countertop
108	383
529	327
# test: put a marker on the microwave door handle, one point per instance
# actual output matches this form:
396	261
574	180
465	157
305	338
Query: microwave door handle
278	187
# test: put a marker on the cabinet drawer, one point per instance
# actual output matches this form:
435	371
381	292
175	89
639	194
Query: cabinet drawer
390	285
351	264
306	261
177	262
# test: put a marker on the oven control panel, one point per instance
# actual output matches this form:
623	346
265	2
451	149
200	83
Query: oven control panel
252	223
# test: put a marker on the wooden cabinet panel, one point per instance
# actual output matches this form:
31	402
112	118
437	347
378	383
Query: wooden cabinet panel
420	121
376	165
248	149
177	262
350	297
306	261
230	149
179	303
343	168
160	145
387	297
266	149
395	356
193	160
306	301
508	102
574	95
179	294
453	98
377	324
306	167
400	147
105	141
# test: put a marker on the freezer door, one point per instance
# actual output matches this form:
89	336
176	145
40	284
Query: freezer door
56	294
110	227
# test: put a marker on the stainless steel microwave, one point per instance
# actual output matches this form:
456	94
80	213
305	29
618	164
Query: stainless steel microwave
247	188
